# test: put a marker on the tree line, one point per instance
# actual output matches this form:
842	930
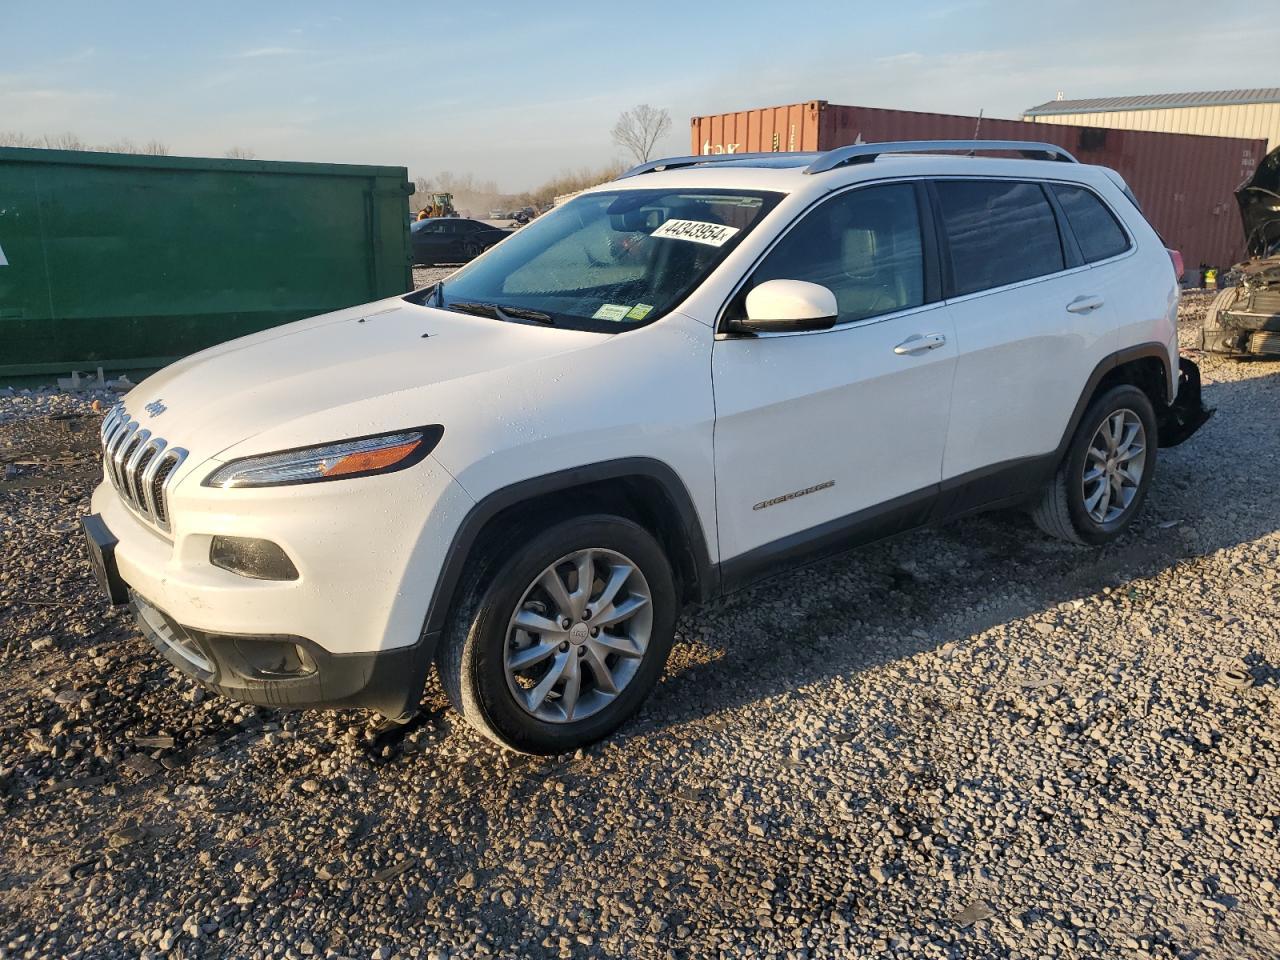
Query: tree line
637	132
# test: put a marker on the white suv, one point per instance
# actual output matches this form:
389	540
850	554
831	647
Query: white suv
661	391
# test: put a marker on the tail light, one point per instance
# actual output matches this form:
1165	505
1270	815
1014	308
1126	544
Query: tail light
1178	266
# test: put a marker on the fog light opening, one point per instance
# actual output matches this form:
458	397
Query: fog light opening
253	558
275	659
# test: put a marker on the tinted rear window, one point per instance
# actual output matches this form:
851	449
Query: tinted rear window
999	231
1095	227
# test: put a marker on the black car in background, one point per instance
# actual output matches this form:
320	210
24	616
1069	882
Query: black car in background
451	239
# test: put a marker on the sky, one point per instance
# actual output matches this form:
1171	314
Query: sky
517	92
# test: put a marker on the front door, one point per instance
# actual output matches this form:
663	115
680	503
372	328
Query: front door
825	435
430	243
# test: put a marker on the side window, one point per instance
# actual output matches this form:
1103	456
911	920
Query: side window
863	245
999	232
1095	227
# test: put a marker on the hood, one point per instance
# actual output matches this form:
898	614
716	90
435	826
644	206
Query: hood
1259	199
236	390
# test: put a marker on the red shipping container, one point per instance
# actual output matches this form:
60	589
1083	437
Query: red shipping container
1185	183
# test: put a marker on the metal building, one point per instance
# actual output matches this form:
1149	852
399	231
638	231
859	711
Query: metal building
1186	185
1251	114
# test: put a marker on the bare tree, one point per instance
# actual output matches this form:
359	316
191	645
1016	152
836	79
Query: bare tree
12	138
639	129
69	141
241	153
64	141
569	181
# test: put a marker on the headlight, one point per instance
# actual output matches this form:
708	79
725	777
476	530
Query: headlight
383	453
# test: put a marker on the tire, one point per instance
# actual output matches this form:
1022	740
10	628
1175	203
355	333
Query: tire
472	250
480	662
1224	299
1064	510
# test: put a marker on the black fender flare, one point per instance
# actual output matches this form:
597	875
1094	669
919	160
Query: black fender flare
464	538
1107	364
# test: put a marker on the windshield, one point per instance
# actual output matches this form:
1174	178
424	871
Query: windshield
606	261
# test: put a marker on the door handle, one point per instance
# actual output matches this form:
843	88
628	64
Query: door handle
1084	303
919	343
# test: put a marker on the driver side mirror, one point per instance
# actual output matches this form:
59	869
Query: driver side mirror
789	305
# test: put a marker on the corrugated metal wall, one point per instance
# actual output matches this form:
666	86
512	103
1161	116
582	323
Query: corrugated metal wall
1186	184
1247	120
763	130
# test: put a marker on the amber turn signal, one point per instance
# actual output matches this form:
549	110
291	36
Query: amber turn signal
367	460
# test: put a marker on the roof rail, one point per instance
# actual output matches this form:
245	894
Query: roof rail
861	153
673	163
867	152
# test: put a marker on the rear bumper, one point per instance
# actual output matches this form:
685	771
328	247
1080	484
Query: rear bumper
1181	419
287	671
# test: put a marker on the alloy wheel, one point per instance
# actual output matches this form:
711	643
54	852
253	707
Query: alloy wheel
578	635
1113	466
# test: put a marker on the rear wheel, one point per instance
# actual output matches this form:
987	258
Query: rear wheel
471	250
564	641
1104	476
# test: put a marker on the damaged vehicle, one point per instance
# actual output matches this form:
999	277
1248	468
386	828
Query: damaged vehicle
670	387
1244	320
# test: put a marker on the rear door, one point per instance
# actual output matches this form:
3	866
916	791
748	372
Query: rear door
1132	304
1030	328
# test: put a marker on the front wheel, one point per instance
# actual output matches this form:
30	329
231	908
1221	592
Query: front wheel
1104	476
562	643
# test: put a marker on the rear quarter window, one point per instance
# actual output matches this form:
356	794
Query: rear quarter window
1095	227
999	232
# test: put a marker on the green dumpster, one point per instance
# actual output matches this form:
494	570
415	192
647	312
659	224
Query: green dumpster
130	262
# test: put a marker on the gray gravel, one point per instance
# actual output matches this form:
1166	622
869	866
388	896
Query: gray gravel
423	276
971	742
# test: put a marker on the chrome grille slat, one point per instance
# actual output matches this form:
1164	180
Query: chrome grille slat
148	475
167	465
139	465
145	454
120	451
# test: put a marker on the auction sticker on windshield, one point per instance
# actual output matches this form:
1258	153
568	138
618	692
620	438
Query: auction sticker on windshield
699	231
611	311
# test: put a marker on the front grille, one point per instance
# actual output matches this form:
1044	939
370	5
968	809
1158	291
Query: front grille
1265	302
139	465
1267	342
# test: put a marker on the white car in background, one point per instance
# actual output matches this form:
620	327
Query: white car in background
669	387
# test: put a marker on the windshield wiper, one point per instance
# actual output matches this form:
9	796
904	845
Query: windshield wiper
500	313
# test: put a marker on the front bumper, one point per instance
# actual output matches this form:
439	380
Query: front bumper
1250	327
1240	343
348	631
287	671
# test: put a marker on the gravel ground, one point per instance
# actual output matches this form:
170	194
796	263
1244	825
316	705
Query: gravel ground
422	276
970	742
